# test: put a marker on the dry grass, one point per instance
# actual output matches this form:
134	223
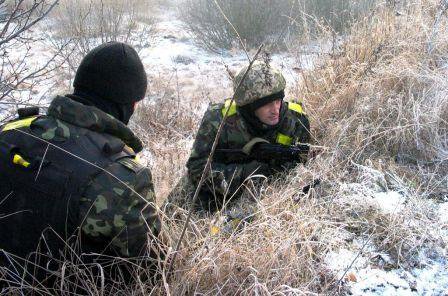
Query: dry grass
385	93
380	100
166	125
379	104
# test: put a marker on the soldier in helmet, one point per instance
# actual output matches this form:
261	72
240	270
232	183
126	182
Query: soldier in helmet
257	122
69	179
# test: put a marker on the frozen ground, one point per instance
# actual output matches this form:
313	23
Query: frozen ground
365	278
367	271
175	58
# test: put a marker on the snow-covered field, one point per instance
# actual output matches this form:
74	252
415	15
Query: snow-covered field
172	58
367	271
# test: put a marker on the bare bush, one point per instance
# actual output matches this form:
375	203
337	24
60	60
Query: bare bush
255	21
258	21
18	75
337	15
88	23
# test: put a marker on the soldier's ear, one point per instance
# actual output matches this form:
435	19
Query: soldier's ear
134	106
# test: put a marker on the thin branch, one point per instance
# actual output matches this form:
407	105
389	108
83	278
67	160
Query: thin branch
354	259
29	25
234	29
41	163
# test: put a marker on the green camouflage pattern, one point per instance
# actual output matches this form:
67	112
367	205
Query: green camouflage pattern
226	178
89	117
117	206
261	81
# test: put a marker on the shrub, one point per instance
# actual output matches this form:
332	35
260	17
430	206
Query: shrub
81	25
386	90
336	14
255	20
268	21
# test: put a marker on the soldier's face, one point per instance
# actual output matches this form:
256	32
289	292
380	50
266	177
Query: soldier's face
270	113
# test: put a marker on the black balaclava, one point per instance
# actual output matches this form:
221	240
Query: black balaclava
248	113
112	78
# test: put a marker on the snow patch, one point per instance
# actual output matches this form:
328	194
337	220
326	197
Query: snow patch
390	202
364	278
443	213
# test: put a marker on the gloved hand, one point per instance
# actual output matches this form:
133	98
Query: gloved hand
276	154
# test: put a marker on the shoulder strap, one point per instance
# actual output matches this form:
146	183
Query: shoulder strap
26	122
297	107
230	107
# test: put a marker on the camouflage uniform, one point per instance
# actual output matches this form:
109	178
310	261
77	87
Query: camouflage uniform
113	202
226	178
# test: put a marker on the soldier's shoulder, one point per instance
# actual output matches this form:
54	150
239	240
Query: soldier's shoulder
53	129
213	114
214	110
295	107
295	110
43	126
124	177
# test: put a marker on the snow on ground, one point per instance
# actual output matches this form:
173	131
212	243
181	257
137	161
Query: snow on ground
365	270
364	278
175	57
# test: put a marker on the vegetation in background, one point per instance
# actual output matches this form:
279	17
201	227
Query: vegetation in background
84	24
269	21
17	77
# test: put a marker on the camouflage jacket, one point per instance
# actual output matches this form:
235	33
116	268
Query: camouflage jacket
227	177
116	207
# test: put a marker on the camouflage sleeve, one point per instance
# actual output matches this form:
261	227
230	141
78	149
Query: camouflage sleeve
223	177
118	216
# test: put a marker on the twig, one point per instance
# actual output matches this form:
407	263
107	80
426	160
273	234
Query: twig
209	160
23	29
354	259
234	29
41	163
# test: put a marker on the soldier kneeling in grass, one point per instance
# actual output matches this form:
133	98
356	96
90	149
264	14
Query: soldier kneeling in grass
70	184
262	136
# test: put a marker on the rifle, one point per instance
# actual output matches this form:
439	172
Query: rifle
263	152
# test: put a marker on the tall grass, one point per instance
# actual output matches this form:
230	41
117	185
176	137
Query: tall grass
378	105
384	92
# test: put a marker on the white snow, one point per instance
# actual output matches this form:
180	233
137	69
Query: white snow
367	275
443	213
363	278
389	202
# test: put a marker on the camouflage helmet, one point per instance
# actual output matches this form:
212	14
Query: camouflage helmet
261	81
